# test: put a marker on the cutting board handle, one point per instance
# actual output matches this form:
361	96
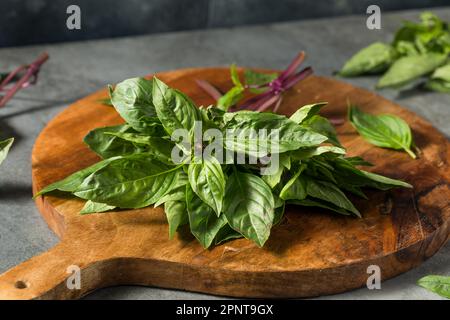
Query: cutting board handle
65	271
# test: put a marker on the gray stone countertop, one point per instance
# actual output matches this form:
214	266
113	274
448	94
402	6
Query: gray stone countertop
79	68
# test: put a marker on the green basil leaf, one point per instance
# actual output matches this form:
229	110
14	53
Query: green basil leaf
5	145
176	213
358	161
134	181
95	207
235	76
382	182
406	48
295	188
208	182
132	99
174	109
309	202
409	68
324	127
346	173
306	153
158	147
249	206
436	284
386	131
176	194
279	213
229	99
329	192
306	112
284	163
107	146
71	183
253	78
375	58
438	85
283	135
203	221
442	73
226	233
440	80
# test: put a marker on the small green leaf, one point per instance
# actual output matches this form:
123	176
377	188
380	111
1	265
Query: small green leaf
409	68
159	147
309	202
229	99
253	78
226	233
440	80
235	76
306	153
386	131
235	94
107	145
329	192
375	58
5	145
95	207
306	112
321	125
295	188
284	163
436	284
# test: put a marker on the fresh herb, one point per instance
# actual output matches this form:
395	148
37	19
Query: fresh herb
440	80
219	200
436	284
5	145
417	50
386	131
269	87
20	78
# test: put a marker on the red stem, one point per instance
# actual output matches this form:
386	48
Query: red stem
209	89
32	70
293	66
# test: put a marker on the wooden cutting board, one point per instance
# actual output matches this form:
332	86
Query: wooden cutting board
312	252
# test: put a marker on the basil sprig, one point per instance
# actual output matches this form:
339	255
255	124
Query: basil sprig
217	201
418	51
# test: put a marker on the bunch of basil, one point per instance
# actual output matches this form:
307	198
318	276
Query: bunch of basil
218	201
418	50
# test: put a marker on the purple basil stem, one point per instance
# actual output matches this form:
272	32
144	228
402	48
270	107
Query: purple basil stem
209	89
286	80
273	96
30	77
298	60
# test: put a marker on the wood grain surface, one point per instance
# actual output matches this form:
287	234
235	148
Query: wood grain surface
312	252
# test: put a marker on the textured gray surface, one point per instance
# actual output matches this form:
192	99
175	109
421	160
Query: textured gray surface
44	21
77	69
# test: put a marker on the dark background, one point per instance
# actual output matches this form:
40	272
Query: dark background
24	22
